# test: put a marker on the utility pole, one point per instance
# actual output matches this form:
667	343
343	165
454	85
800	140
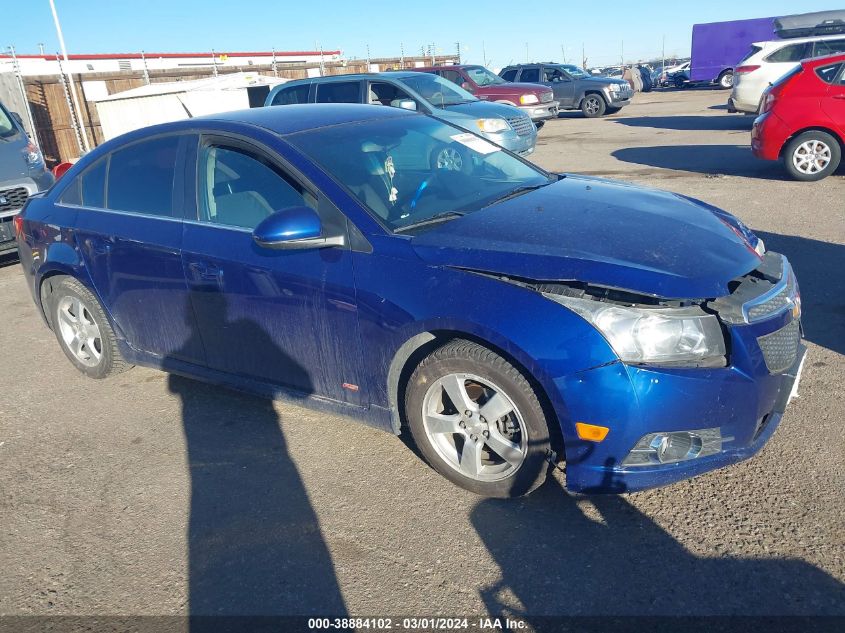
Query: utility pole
527	55
484	53
663	54
458	49
401	55
214	61
622	54
323	61
146	71
368	58
563	53
583	57
41	49
275	68
77	110
433	54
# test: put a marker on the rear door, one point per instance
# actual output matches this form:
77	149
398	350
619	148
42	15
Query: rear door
834	104
339	92
129	232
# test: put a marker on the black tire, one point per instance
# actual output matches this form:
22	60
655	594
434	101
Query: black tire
726	80
793	146
593	105
109	361
679	82
539	125
461	356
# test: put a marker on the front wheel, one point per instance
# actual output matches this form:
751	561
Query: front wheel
83	331
812	155
593	106
477	421
726	80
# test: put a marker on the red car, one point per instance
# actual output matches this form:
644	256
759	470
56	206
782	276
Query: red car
536	100
803	119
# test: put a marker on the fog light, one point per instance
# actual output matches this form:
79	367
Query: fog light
674	446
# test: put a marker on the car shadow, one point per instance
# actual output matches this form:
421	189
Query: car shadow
255	547
713	160
603	557
818	267
690	123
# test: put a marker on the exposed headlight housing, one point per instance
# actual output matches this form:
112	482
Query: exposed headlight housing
32	155
492	125
615	87
652	335
528	99
760	247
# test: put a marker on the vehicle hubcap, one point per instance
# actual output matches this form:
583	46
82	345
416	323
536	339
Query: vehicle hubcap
450	160
475	427
79	331
811	157
592	106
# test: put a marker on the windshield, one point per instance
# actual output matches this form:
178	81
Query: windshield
483	77
7	126
574	71
437	91
406	170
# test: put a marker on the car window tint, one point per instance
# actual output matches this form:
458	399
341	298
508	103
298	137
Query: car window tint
828	73
791	53
829	47
93	185
292	95
553	74
339	92
382	93
509	75
241	188
453	76
530	75
140	177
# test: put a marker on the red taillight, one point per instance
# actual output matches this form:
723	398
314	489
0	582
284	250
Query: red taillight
18	225
744	70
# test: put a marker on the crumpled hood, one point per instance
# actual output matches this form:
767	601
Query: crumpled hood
601	232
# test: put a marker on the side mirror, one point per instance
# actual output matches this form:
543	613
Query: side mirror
294	228
405	104
17	117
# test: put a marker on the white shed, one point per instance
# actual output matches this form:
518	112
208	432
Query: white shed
172	101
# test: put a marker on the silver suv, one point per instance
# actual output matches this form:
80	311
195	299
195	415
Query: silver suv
22	173
574	88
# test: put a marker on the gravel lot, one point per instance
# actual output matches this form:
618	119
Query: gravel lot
149	494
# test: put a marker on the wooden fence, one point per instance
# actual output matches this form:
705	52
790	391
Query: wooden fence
54	126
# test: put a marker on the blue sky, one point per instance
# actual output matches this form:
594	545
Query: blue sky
494	26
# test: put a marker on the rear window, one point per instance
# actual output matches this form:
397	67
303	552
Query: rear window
140	177
751	52
791	53
88	189
530	75
828	47
292	95
828	73
339	92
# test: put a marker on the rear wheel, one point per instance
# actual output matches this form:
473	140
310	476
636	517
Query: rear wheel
83	331
593	106
679	82
726	79
477	421
812	155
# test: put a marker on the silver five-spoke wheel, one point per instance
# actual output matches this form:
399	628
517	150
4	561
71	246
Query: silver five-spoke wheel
449	159
811	157
474	427
79	331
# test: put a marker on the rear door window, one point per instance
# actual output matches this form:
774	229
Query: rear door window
509	75
828	73
790	53
453	76
292	95
339	92
140	177
88	189
828	47
530	75
751	52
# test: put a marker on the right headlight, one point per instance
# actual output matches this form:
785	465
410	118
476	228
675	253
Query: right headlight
528	99
652	335
492	125
615	87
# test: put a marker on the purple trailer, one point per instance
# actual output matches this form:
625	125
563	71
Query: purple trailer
718	46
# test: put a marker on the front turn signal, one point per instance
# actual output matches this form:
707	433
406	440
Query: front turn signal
591	432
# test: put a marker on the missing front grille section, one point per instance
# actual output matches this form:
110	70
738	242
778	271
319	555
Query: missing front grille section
752	286
780	348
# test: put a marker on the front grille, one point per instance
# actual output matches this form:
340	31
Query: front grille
11	199
522	125
783	299
546	97
780	348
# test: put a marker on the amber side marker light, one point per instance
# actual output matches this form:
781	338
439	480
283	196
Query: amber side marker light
591	432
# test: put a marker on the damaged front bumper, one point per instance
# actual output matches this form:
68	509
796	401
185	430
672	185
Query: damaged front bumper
730	411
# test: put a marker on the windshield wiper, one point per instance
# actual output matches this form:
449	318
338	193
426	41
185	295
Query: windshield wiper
434	219
513	193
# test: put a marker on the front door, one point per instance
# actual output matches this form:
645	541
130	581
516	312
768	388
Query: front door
561	84
287	317
129	232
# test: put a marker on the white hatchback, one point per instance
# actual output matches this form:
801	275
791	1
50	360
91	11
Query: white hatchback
767	62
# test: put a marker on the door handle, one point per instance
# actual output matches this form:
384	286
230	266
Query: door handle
206	272
839	96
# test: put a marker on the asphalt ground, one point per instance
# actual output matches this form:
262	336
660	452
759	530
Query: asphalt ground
147	494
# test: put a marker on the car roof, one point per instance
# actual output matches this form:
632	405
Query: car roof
290	119
390	74
800	40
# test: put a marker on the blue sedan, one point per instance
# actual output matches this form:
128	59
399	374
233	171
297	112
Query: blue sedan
391	267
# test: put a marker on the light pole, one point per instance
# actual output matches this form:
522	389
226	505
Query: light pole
78	111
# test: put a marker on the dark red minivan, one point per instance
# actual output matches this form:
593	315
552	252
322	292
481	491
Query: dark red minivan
536	100
803	119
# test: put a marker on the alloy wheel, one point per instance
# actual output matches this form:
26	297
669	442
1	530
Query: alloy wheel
592	105
79	331
450	159
811	157
475	427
